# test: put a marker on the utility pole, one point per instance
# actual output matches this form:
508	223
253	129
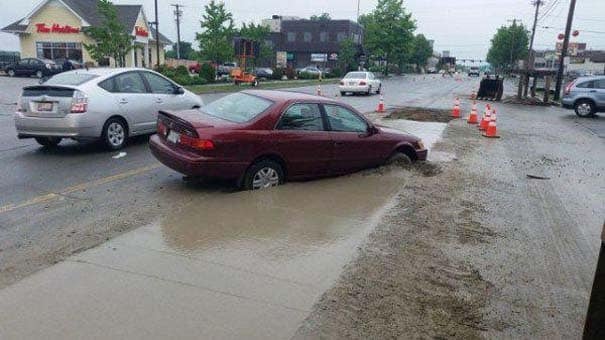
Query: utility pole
572	8
178	13
536	3
358	1
157	36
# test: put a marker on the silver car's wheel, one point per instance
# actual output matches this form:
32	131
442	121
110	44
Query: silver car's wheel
39	74
115	134
11	73
584	108
263	174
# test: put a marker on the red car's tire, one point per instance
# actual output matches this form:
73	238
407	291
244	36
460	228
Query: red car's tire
263	174
399	158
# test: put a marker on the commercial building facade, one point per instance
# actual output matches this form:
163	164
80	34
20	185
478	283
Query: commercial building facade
302	42
54	29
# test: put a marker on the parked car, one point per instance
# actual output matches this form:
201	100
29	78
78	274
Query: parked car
98	104
312	70
474	71
8	58
261	138
586	95
74	64
33	67
263	72
226	68
360	82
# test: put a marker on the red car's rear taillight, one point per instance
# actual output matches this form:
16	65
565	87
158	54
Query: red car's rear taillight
161	128
79	102
197	143
362	83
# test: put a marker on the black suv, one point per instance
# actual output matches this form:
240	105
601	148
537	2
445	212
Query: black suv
33	67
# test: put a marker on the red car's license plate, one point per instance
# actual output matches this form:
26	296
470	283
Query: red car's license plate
45	106
173	137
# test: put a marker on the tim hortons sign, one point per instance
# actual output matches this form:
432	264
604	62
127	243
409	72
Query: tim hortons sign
56	28
140	31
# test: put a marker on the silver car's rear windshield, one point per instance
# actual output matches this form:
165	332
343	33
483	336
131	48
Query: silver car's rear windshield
70	78
237	107
356	75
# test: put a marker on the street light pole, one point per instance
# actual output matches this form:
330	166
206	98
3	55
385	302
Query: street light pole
157	36
358	1
572	8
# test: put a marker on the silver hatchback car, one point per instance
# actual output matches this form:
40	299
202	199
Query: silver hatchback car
586	95
101	103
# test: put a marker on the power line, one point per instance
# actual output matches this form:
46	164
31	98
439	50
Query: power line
549	10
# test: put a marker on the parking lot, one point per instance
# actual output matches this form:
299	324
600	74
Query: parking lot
511	256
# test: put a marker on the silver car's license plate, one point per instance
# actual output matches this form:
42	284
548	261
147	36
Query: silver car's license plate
173	137
352	83
45	106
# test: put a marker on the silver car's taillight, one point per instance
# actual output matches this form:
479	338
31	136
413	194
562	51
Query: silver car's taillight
79	102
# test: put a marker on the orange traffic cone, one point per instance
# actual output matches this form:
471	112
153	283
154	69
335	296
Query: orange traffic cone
318	90
491	131
485	120
380	107
456	110
472	118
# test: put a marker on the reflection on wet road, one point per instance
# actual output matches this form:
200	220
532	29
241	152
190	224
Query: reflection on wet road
245	264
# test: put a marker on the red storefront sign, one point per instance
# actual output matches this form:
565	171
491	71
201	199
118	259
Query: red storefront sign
56	28
140	31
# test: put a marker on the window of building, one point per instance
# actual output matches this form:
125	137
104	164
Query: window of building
340	36
56	50
323	36
357	38
269	43
291	36
307	37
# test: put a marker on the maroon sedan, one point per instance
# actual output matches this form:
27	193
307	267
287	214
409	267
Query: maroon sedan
262	138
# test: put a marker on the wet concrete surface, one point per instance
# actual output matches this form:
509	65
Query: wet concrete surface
233	265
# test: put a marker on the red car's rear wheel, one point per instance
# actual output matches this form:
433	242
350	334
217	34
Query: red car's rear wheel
263	174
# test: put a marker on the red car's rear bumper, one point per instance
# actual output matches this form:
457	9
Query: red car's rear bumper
197	166
422	154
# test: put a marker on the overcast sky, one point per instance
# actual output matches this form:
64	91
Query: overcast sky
462	26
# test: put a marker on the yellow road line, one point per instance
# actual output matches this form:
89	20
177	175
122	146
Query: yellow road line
75	188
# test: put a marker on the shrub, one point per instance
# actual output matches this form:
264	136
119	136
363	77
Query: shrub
181	70
290	73
198	80
307	75
393	68
207	72
183	80
278	73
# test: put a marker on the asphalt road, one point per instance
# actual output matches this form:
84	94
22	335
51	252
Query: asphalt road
57	202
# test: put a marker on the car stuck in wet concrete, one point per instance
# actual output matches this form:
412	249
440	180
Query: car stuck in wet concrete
262	138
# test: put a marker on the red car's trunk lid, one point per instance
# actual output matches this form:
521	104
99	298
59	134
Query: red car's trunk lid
196	119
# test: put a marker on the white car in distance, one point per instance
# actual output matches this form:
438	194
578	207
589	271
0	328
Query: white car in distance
360	82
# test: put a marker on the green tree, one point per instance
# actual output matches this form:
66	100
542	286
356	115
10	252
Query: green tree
258	33
186	51
422	51
347	55
509	44
321	17
216	38
389	32
111	38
